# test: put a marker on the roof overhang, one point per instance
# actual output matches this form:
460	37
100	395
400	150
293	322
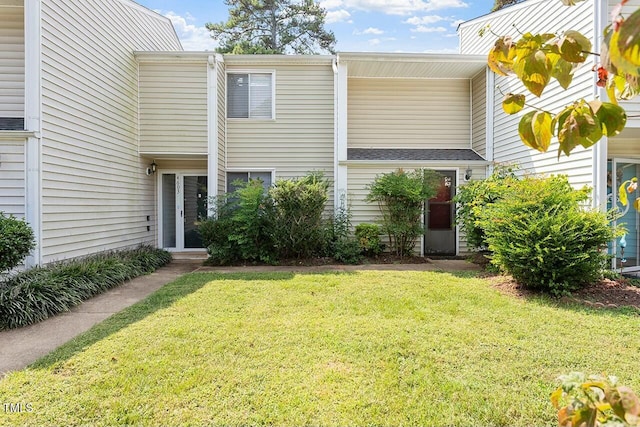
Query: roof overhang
412	65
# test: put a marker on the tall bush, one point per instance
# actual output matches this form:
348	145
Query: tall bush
242	229
474	197
16	241
299	206
401	196
540	233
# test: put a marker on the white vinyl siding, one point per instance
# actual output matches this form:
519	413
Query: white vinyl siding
95	193
410	113
479	116
535	16
173	108
12	178
11	60
221	129
301	137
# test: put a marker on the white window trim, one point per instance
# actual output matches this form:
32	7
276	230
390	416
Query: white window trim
249	170
273	93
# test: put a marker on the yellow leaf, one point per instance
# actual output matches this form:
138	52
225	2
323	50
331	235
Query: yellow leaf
513	103
636	204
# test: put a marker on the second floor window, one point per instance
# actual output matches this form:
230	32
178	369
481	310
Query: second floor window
250	95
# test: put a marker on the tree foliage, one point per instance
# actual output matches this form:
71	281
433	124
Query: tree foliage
537	59
273	27
501	4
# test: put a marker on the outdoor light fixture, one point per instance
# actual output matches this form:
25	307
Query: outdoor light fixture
467	174
152	168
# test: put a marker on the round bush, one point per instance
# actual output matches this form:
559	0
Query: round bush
16	241
541	235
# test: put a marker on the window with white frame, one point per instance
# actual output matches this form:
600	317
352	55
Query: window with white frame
233	179
250	96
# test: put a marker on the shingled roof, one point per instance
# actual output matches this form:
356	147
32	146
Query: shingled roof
10	123
412	154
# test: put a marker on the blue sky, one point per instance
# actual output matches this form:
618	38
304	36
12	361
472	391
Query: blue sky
359	25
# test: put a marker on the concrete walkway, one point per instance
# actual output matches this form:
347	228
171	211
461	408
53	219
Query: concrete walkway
21	347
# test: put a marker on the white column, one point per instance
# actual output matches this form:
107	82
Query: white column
212	121
33	123
490	91
340	149
601	148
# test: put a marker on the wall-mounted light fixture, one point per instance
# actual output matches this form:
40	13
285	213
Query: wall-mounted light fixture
467	174
152	168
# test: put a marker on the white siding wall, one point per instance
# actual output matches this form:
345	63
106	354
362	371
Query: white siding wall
300	139
411	113
534	16
11	60
479	116
632	106
12	178
173	107
95	193
222	129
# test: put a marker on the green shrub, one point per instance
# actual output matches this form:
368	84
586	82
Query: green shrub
242	227
540	234
401	196
473	198
299	207
36	294
16	241
348	251
368	237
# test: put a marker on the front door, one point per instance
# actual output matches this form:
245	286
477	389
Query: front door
625	249
440	231
184	204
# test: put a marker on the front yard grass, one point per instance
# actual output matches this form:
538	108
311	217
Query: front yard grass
366	348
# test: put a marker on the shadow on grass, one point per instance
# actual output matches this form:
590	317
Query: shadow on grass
161	299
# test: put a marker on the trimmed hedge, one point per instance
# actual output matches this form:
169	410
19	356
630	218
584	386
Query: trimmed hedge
16	241
36	294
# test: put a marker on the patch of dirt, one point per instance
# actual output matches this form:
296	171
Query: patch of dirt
312	262
604	294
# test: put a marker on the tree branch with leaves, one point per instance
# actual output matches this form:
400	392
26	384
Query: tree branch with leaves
537	59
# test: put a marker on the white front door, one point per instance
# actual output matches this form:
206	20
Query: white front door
183	203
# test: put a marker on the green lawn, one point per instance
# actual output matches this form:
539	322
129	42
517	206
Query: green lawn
368	348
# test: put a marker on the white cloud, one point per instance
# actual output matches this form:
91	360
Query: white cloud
331	4
375	42
341	15
425	29
393	7
457	22
424	20
191	36
371	30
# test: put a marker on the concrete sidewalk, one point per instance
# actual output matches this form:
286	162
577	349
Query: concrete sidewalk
23	346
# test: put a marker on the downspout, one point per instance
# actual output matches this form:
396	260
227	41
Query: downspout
212	129
601	149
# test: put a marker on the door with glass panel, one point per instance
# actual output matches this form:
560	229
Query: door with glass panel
626	248
183	205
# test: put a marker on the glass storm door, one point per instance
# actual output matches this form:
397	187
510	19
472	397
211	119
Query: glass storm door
184	204
440	231
625	249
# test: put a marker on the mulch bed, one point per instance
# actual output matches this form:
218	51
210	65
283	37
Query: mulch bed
604	294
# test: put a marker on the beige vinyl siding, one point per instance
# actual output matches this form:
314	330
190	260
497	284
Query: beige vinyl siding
222	129
409	113
12	178
359	177
508	148
478	114
173	107
95	193
624	147
632	106
11	60
300	139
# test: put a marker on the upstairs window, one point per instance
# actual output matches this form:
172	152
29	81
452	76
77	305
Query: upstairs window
250	96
